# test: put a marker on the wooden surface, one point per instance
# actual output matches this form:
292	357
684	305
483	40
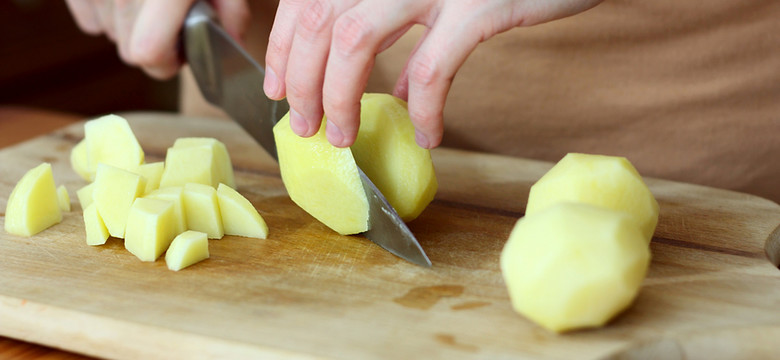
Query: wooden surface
306	292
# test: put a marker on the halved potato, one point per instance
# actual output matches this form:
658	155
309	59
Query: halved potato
33	204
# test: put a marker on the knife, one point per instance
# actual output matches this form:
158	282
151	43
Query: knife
229	78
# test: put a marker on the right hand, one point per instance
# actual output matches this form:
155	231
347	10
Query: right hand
146	31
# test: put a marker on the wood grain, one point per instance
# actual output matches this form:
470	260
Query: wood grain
306	292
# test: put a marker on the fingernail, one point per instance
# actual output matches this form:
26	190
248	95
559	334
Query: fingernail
270	83
421	140
334	134
298	124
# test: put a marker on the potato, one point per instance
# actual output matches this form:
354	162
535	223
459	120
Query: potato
85	195
574	265
239	217
322	179
386	151
33	205
78	160
201	209
97	234
174	195
150	228
114	193
186	249
605	181
111	141
197	160
63	199
152	172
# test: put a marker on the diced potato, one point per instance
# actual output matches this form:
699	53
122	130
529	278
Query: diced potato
201	209
152	172
150	228
574	265
239	217
386	151
63	198
607	181
111	141
186	249
174	195
114	193
33	204
85	195
322	179
78	160
197	160
97	234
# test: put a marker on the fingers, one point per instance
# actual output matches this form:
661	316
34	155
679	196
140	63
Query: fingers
279	45
125	13
155	33
234	15
85	16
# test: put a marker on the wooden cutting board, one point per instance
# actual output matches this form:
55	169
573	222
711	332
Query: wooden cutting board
306	292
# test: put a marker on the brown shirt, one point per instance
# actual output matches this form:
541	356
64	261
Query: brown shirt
687	91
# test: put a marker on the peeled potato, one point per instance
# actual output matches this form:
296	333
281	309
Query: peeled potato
201	208
573	265
114	193
109	140
150	228
186	249
239	217
33	205
197	160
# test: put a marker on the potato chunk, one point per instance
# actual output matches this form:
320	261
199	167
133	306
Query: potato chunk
114	193
322	179
174	195
97	234
239	216
79	162
85	195
386	151
574	265
201	209
150	228
152	172
197	160
33	204
605	181
111	141
186	249
63	198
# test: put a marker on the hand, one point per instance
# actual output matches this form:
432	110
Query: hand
321	52
146	32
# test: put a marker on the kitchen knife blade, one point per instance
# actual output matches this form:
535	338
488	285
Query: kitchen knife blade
228	77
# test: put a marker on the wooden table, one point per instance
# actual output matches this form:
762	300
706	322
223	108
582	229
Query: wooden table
306	292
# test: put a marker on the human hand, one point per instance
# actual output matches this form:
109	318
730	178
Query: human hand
321	52
146	32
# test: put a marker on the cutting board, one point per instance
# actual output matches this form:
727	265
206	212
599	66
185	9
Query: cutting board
307	292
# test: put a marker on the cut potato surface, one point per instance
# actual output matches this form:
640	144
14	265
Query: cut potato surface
174	195
114	193
606	181
322	179
201	208
63	198
386	151
152	172
197	160
186	249
97	234
150	228
33	204
111	141
239	217
78	160
574	265
85	195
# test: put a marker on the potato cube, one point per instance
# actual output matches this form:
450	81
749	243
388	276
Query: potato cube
150	228
197	160
111	141
63	198
574	265
85	195
97	234
152	172
174	195
186	249
33	204
239	216
201	209
78	160
114	193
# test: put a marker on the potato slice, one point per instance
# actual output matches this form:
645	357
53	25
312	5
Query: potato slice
114	193
322	179
186	249
33	204
574	265
150	228
78	160
111	141
85	195
97	234
63	199
239	216
201	208
197	160
174	195
152	172
386	151
607	181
